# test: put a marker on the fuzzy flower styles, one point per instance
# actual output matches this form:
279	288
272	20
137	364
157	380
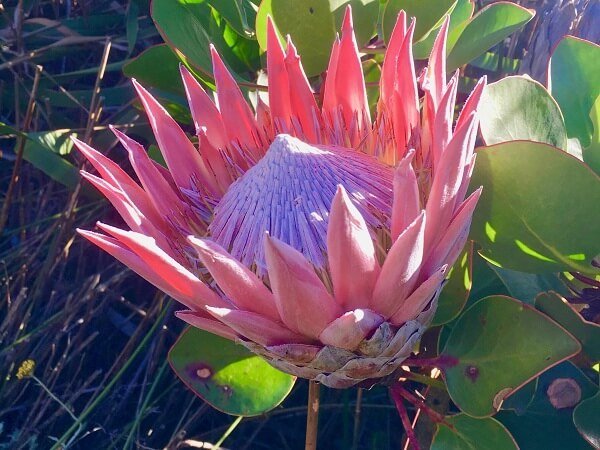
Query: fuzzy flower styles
304	229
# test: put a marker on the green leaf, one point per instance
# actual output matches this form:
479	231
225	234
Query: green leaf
51	164
456	291
175	104
519	108
115	96
588	333
490	62
44	149
155	154
543	426
313	25
538	210
132	25
526	286
364	17
190	26
426	12
460	13
183	25
372	73
310	23
8	130
466	432
485	280
499	344
574	81
226	375
238	13
591	154
157	67
488	27
241	53
57	141
587	419
521	399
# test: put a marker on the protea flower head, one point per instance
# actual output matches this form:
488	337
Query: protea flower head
305	230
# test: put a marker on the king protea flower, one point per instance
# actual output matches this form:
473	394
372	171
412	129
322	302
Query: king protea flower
308	232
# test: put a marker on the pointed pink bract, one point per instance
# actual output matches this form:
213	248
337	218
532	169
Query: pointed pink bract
400	269
352	261
304	304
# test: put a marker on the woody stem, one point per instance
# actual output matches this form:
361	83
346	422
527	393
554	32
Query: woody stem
312	418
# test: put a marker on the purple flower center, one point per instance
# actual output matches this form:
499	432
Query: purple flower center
288	193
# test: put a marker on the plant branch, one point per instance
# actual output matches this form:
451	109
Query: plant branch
312	418
357	409
406	423
434	415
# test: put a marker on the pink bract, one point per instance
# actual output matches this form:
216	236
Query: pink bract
303	229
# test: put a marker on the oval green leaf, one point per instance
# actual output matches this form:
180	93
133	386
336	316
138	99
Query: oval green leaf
587	419
239	15
539	208
519	108
156	67
488	27
364	17
460	13
588	333
521	399
498	345
544	426
372	73
456	291
574	81
464	432
226	375
426	12
43	150
310	23
190	26
526	286
183	25
591	154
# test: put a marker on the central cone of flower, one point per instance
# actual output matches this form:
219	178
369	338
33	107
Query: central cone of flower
288	193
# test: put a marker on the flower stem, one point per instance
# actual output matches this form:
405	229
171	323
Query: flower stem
54	397
312	418
357	408
229	430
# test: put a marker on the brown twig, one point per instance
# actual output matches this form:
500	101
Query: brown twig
312	417
93	117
